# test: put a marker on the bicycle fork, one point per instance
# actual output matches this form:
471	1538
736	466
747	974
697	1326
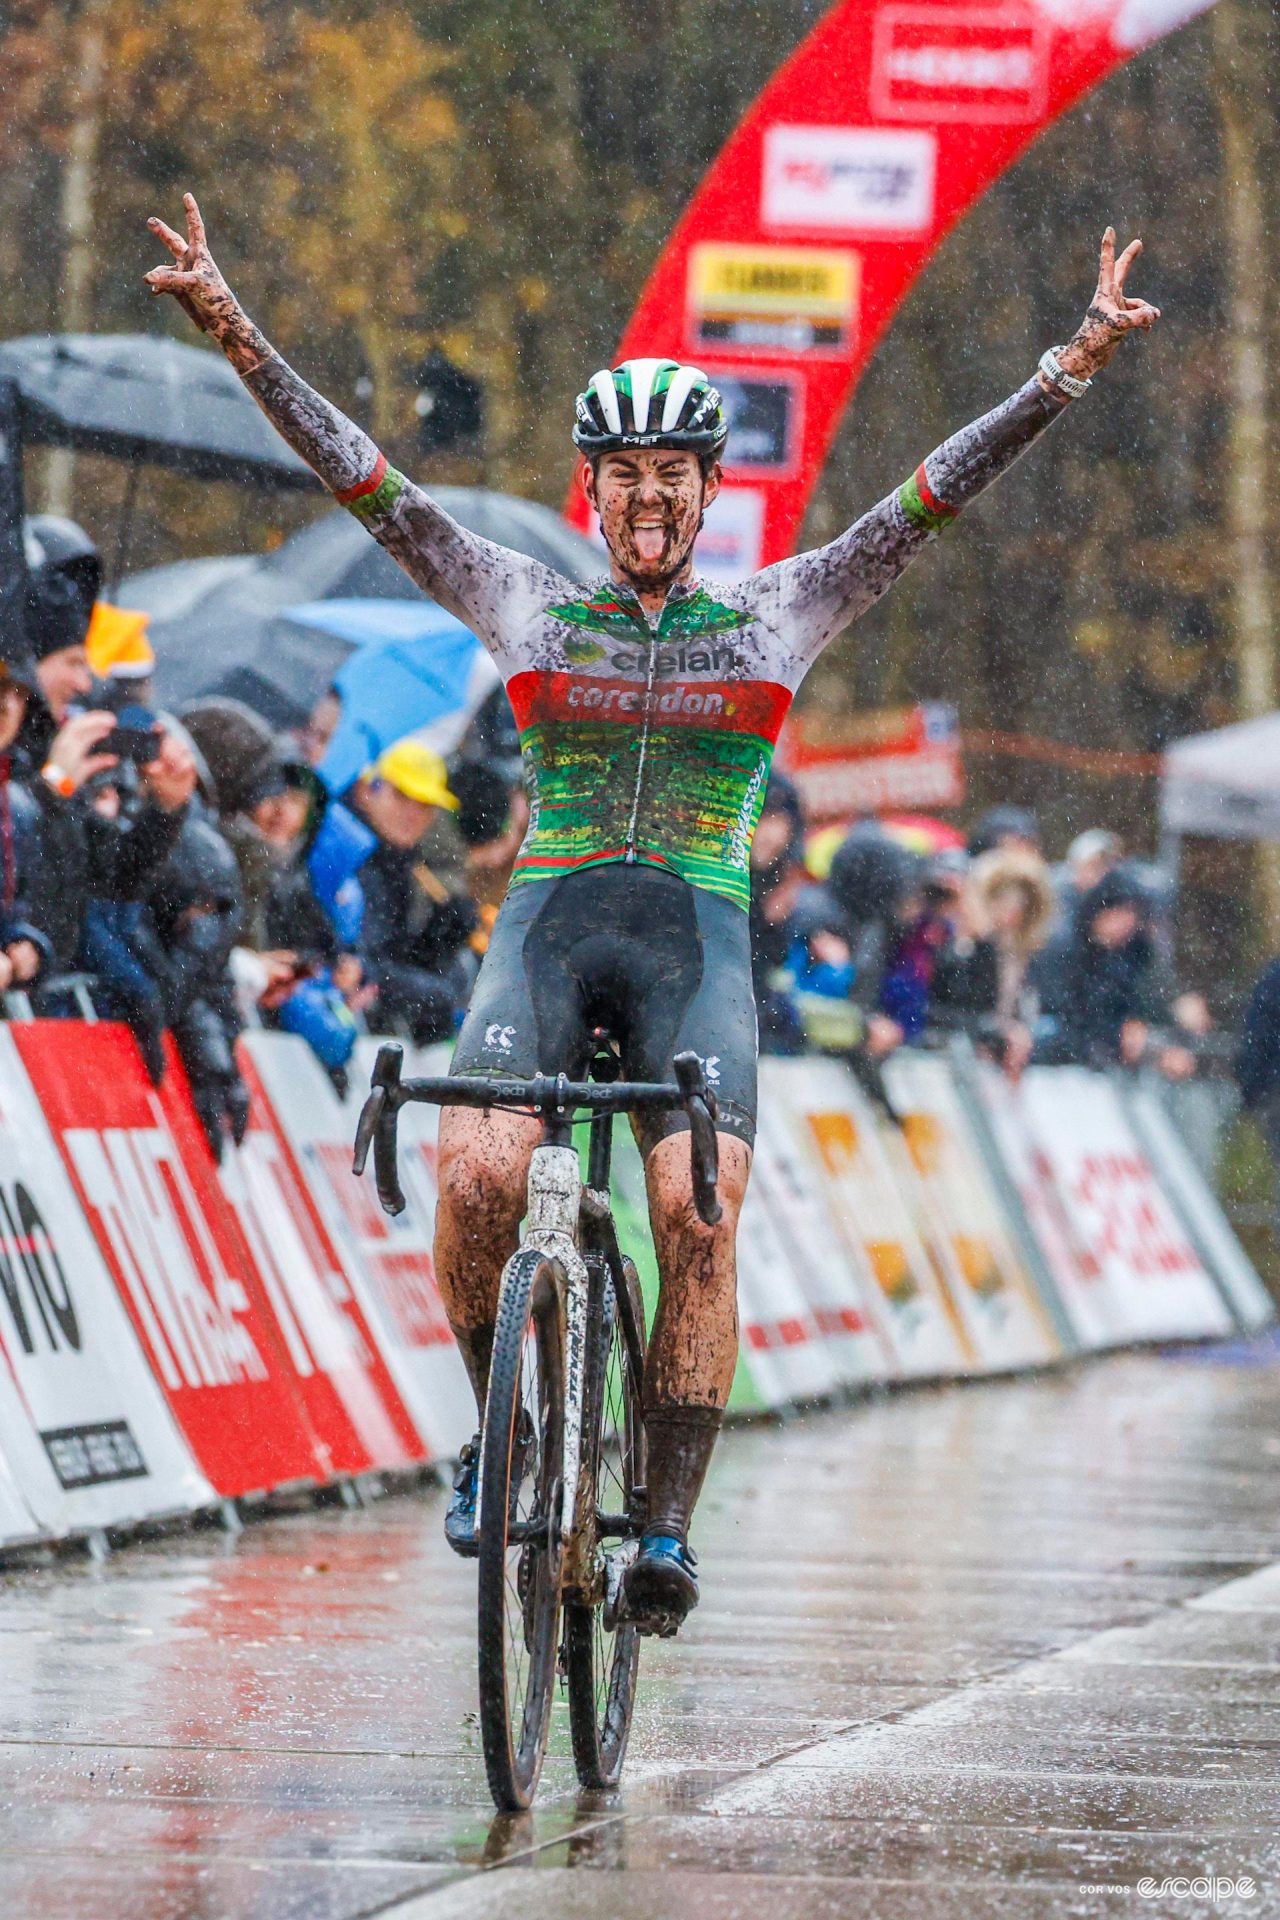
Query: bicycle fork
555	1195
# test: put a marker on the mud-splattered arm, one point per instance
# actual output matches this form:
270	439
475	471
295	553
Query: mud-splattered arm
485	585
820	592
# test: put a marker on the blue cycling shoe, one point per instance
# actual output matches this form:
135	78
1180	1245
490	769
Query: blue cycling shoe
460	1516
660	1587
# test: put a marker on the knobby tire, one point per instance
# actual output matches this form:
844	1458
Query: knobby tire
519	1586
601	1667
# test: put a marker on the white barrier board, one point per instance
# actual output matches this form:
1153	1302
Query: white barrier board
1087	1289
993	1292
1185	1184
832	1284
85	1430
861	1194
388	1261
1117	1208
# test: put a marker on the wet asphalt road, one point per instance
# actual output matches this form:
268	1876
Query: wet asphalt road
987	1651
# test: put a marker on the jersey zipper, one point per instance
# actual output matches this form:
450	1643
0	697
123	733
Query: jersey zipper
629	843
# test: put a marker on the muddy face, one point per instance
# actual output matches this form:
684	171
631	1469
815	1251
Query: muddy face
650	504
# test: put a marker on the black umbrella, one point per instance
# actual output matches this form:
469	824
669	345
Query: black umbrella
143	397
217	625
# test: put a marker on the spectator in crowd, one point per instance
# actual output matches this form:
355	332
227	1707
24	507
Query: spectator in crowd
193	918
1257	1064
414	928
1091	856
493	813
120	656
1103	987
939	968
819	974
1013	893
293	964
777	878
77	851
870	875
1010	829
24	950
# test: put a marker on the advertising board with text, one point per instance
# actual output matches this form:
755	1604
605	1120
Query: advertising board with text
84	1428
899	758
180	1265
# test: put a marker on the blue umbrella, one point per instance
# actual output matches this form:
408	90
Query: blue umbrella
414	669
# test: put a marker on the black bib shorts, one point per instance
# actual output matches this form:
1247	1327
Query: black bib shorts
661	965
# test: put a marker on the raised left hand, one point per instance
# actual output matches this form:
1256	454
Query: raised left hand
1112	313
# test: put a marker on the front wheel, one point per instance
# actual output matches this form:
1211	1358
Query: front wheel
602	1661
519	1529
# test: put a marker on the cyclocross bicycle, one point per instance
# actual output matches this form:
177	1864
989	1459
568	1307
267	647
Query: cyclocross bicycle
562	1458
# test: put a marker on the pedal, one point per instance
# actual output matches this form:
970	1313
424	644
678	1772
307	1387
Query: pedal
615	1567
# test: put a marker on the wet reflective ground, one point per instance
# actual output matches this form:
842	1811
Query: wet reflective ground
1004	1650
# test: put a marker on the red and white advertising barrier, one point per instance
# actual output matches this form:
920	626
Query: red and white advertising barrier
862	1169
1117	1208
1007	1323
86	1435
388	1263
1089	1292
351	1400
147	1186
1198	1207
171	1334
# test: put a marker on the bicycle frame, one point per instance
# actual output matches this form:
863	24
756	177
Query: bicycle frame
555	1199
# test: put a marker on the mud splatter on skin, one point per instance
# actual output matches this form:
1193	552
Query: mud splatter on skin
483	1166
629	489
778	622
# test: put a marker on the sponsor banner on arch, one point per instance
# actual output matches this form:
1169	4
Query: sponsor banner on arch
85	1432
883	129
179	1262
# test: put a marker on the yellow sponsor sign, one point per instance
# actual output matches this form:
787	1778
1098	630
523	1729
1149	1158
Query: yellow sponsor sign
796	299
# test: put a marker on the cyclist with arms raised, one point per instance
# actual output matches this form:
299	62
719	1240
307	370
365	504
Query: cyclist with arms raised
648	708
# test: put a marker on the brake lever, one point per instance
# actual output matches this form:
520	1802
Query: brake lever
378	1122
704	1145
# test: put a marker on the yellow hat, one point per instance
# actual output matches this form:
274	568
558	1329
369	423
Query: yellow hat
117	643
416	772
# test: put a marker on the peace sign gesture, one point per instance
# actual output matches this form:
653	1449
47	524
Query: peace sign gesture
1110	302
1112	313
200	290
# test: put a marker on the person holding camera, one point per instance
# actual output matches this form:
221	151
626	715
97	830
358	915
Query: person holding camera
80	852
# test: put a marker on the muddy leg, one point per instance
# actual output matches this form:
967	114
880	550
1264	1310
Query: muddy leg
694	1345
483	1169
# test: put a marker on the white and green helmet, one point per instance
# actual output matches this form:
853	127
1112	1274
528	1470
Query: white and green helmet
650	403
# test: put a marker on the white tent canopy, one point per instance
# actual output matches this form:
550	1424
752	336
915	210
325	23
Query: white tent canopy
1225	783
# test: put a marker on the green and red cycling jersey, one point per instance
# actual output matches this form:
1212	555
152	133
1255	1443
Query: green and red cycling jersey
647	738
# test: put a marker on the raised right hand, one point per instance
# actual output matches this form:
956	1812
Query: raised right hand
74	750
199	288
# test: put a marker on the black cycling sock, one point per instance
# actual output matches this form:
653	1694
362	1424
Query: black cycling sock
475	1344
681	1441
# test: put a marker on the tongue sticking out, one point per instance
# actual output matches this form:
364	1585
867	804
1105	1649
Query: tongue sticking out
650	541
